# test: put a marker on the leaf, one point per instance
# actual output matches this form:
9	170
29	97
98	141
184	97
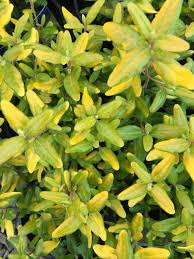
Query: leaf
32	159
171	43
93	11
47	153
108	156
72	88
122	35
130	65
134	191
161	171
141	21
72	21
118	13
85	123
167	131
190	30
38	124
175	145
152	252
162	199
141	173
57	197
20	25
173	73
105	251
117	207
158	101
146	6
16	119
168	15
49	246
166	225
188	160
80	44
69	226
96	224
98	202
109	133
14	80
184	199
5	14
128	133
11	147
107	110
137	226
124	248
35	103
87	59
51	56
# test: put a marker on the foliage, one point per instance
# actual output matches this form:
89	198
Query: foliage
97	160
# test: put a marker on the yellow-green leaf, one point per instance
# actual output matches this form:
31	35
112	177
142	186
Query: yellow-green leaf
161	197
173	73
130	65
69	226
122	35
11	147
134	191
140	20
94	10
167	16
171	43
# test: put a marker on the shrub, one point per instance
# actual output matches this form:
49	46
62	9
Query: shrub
96	150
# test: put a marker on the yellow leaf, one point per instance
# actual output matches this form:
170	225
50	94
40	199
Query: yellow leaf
105	251
163	168
32	160
134	191
108	156
69	226
16	119
174	73
146	6
98	202
136	85
188	160
190	30
171	43
78	137
122	35
87	232
5	14
96	224
117	206
9	228
124	247
152	252
119	88
81	44
130	65
162	199
167	16
72	21
49	246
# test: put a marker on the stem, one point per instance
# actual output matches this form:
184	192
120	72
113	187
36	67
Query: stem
34	13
